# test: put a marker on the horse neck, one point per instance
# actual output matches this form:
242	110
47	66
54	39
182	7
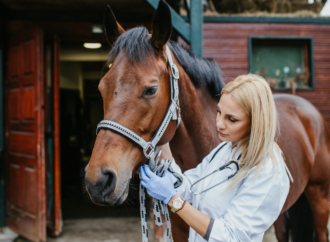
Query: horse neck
196	135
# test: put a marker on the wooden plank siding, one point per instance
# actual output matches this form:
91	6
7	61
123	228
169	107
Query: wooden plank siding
227	44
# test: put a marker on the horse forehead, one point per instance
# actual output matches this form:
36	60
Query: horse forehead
147	64
123	72
142	70
135	75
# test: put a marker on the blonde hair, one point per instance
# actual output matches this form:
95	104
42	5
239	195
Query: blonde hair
252	93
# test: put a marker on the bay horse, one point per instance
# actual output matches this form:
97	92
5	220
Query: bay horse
136	94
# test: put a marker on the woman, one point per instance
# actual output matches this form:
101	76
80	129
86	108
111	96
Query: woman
244	207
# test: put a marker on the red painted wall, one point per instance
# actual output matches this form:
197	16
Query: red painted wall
227	44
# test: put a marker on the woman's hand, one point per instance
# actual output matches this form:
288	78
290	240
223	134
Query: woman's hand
161	188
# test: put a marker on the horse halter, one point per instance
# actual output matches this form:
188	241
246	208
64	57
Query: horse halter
172	113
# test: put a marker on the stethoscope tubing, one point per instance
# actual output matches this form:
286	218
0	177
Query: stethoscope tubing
215	171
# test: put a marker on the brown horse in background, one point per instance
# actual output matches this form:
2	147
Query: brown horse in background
136	94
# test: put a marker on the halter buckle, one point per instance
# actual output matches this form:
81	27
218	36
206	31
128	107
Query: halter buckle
179	111
148	150
175	71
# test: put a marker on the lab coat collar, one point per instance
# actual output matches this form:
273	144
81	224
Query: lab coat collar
232	150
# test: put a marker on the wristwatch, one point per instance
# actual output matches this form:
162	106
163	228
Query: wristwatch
177	204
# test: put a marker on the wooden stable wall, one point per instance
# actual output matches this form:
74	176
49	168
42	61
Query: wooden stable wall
227	43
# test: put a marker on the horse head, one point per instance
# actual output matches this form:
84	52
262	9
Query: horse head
136	94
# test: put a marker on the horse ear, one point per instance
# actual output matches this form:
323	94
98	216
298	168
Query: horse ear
111	27
161	25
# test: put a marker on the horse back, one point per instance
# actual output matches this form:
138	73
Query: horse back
304	140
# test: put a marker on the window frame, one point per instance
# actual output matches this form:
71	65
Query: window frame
310	58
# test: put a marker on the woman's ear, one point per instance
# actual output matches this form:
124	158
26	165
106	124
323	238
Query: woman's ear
161	25
111	27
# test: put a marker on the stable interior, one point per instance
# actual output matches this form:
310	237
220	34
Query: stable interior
81	109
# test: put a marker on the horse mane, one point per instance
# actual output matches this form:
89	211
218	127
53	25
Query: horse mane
202	72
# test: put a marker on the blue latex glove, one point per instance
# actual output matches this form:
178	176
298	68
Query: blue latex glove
161	188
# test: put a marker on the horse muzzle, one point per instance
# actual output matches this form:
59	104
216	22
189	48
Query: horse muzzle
104	192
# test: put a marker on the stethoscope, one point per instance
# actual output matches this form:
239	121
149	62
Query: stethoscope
226	166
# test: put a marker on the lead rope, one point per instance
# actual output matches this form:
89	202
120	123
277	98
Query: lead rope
159	207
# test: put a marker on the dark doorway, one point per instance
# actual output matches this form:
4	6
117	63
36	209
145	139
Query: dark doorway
81	108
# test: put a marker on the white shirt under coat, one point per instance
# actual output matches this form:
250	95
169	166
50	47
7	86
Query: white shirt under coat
243	213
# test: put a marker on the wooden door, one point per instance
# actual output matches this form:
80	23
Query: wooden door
57	229
24	130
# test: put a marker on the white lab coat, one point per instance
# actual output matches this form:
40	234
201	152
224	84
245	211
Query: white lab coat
243	213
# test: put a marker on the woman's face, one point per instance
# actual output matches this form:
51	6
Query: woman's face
233	123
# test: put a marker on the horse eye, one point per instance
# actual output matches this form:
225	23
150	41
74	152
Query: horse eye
150	91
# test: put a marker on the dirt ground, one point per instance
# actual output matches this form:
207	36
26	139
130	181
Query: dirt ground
112	230
102	230
111	227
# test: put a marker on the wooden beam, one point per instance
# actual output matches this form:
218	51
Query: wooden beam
196	26
244	19
73	16
177	21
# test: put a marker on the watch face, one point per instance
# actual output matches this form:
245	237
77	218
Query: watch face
177	204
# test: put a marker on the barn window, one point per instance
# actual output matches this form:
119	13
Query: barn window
285	62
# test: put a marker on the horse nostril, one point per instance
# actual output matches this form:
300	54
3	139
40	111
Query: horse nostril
111	180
